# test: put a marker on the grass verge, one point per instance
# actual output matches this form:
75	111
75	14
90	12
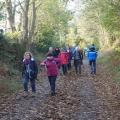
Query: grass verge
112	62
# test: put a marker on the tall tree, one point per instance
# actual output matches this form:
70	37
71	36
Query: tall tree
25	23
11	14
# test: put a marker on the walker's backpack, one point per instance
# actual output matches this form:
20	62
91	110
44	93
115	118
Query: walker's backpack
78	55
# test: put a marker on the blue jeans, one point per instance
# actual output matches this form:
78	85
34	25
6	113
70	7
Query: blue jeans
26	82
52	80
93	66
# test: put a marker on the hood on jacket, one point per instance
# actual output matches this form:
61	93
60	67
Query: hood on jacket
50	58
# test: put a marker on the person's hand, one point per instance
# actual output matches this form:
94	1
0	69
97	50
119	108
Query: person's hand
42	64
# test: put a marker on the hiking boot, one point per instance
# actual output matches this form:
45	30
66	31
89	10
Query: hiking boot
80	72
26	94
91	72
53	94
33	94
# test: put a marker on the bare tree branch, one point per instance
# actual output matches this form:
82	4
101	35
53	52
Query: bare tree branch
16	5
38	6
20	3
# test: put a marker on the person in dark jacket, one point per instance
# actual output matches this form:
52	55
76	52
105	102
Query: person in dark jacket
57	52
69	52
93	47
51	65
29	73
78	57
92	56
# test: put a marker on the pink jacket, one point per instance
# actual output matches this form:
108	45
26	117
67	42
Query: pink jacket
51	66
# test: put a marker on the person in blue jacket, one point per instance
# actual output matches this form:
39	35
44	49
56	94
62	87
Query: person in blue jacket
92	56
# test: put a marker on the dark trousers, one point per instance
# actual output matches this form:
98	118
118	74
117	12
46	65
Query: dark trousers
64	69
93	66
26	82
77	64
52	80
69	65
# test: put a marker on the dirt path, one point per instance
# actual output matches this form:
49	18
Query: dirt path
78	98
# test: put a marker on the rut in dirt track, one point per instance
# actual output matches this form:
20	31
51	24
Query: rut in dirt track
77	99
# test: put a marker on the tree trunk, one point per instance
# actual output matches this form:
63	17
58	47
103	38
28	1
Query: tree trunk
32	28
11	15
25	24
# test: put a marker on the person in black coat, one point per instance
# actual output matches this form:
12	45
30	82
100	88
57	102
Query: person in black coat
29	73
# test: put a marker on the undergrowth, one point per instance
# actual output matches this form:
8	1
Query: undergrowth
112	63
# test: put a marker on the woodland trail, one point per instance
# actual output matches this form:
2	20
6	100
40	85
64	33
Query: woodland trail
82	97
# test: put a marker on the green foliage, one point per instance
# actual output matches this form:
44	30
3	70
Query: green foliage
13	37
96	43
52	23
79	40
117	49
11	51
111	16
112	62
47	38
100	20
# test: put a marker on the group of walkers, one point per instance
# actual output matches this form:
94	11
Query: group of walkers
57	60
65	57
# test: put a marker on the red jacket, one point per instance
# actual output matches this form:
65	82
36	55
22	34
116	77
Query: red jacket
63	58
